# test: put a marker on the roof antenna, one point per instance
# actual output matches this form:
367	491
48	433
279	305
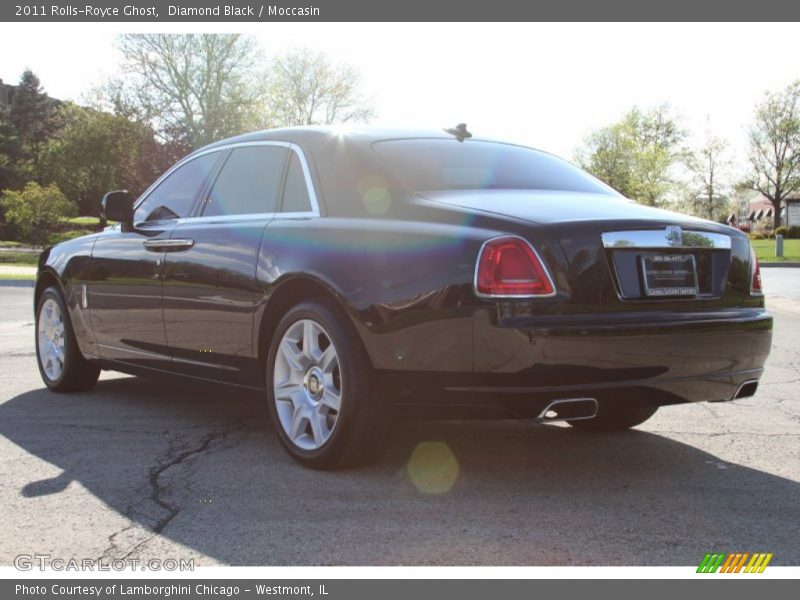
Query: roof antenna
460	132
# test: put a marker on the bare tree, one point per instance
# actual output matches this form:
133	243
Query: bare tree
774	147
201	87
305	88
709	166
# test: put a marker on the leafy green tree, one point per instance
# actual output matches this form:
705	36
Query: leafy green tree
33	117
774	148
36	211
9	153
96	152
636	155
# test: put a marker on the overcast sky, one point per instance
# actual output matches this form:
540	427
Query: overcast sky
544	85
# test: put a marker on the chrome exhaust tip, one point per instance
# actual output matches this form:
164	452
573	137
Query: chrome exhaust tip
569	409
746	389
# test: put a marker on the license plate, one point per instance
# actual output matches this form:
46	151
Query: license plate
669	275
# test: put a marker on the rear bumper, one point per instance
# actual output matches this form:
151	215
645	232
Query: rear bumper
523	363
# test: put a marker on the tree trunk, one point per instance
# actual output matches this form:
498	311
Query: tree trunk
776	207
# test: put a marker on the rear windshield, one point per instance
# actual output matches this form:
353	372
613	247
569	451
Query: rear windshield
440	164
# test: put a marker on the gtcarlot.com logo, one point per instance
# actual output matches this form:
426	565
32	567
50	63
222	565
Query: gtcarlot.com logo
737	562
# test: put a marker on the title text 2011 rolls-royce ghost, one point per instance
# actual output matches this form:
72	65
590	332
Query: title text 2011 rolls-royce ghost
353	276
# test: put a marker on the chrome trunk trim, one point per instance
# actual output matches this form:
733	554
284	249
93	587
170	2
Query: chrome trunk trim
670	237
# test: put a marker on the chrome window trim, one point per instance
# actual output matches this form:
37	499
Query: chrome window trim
248	217
512	296
146	194
661	238
291	146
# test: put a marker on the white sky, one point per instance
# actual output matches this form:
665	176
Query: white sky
545	85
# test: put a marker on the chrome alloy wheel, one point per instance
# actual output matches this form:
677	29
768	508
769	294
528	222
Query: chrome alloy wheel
307	384
51	339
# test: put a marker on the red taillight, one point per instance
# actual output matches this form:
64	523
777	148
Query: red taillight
755	281
510	267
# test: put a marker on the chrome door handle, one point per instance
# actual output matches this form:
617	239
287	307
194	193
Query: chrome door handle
169	245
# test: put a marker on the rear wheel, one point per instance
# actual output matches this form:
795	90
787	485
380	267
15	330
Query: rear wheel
61	364
320	388
615	420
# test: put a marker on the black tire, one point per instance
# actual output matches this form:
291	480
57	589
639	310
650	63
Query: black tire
77	373
616	420
362	422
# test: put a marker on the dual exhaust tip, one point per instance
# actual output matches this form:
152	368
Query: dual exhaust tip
574	409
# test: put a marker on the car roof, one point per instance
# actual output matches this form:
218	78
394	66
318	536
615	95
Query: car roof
317	135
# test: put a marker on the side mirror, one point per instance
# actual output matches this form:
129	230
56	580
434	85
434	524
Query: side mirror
118	206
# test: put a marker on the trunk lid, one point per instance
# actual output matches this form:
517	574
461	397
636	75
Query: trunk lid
608	274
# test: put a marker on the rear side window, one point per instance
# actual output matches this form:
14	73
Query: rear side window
175	196
444	164
295	193
248	182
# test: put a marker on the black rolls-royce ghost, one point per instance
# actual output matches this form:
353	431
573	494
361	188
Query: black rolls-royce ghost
356	275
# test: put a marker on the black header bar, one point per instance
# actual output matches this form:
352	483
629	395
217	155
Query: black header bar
186	11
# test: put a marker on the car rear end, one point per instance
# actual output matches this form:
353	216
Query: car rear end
583	296
639	322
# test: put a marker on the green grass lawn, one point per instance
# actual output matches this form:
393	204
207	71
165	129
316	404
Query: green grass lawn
765	250
92	221
23	259
16	277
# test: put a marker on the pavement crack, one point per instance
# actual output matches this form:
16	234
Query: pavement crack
158	489
138	528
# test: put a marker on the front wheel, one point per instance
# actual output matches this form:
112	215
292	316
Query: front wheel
62	366
614	420
320	388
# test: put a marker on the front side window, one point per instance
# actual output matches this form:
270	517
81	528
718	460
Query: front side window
174	197
295	192
428	165
249	182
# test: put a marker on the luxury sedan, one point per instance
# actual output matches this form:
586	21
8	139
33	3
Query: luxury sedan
358	277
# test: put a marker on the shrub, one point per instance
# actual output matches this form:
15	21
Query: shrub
789	233
36	211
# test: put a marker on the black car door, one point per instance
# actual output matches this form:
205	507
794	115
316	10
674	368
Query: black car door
125	281
209	288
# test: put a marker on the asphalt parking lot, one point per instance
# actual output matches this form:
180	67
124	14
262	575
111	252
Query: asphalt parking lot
138	468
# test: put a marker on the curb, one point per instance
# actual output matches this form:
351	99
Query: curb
17	283
774	265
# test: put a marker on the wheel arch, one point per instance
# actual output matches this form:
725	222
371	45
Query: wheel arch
292	290
47	278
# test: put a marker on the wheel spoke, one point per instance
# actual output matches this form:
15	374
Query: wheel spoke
297	426
332	399
328	360
287	390
318	428
294	358
310	340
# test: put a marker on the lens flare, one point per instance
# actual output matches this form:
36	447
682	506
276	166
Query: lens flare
433	468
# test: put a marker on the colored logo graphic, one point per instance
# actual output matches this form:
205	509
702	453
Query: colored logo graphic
739	562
